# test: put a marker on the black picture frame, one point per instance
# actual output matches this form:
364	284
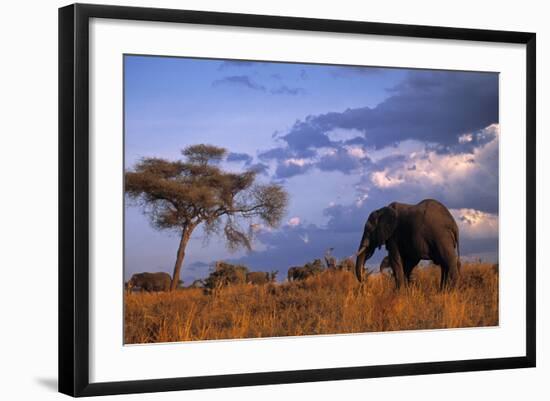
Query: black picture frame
74	200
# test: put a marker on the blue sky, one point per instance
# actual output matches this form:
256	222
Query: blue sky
342	140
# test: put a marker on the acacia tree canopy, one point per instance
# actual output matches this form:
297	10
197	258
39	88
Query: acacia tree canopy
185	193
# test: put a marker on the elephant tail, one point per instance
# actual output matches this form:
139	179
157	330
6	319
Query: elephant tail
457	240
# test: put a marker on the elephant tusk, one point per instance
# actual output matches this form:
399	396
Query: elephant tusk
360	251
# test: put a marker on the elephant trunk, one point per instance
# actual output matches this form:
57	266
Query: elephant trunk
362	255
359	263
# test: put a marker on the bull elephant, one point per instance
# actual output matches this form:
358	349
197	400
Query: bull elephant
150	281
410	233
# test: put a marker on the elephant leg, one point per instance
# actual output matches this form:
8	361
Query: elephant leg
452	275
408	266
443	280
396	264
449	268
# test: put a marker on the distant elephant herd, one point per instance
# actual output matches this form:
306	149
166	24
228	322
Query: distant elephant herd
410	233
160	281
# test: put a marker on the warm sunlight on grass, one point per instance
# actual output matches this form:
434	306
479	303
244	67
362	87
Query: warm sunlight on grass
331	302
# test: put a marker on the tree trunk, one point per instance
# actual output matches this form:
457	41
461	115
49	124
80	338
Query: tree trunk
185	235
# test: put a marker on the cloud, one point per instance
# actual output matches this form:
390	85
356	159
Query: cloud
239	157
259	168
465	138
465	182
461	180
476	224
383	179
285	90
345	160
283	153
430	106
291	167
339	135
306	135
243	81
440	111
294	221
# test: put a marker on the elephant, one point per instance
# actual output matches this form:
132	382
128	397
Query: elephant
226	274
150	281
410	233
258	278
303	272
293	273
299	273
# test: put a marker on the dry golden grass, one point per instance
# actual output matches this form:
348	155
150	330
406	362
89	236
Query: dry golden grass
332	302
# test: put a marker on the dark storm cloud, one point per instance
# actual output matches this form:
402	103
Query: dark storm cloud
285	90
306	135
239	157
239	80
444	110
430	106
282	154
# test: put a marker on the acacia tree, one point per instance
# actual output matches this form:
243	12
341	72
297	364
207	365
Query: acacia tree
181	195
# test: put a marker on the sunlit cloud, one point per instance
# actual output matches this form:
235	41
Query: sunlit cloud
429	168
294	221
476	224
465	138
296	162
357	152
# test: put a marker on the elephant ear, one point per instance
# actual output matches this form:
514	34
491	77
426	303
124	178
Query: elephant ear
387	222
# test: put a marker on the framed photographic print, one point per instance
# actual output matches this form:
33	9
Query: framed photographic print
250	199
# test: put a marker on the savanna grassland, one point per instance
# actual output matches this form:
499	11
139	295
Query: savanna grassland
329	303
